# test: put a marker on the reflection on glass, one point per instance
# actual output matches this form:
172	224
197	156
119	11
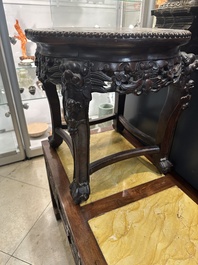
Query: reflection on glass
96	13
8	141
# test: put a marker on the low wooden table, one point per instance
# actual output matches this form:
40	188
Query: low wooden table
134	214
111	60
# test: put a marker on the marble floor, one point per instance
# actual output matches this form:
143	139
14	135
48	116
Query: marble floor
29	232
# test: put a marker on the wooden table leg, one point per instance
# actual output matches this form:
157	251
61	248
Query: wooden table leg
76	98
54	104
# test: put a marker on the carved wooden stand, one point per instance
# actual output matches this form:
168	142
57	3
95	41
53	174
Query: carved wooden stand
121	61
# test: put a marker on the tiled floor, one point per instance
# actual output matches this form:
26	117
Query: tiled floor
29	232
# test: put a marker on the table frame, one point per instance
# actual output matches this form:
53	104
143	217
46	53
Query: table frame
112	66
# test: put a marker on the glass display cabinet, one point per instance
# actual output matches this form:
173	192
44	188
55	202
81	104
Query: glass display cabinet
21	98
11	146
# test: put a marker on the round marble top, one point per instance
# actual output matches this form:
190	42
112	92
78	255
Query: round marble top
109	44
52	35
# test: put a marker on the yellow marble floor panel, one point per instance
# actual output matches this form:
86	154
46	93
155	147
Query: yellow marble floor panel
114	178
159	230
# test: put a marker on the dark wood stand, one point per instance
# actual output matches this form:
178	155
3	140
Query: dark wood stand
122	61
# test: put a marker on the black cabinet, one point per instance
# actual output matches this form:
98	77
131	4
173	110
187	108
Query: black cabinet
184	152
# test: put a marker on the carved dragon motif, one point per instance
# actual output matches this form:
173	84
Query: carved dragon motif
146	76
133	77
85	77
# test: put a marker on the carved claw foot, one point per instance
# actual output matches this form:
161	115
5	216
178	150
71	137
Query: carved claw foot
79	191
165	165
